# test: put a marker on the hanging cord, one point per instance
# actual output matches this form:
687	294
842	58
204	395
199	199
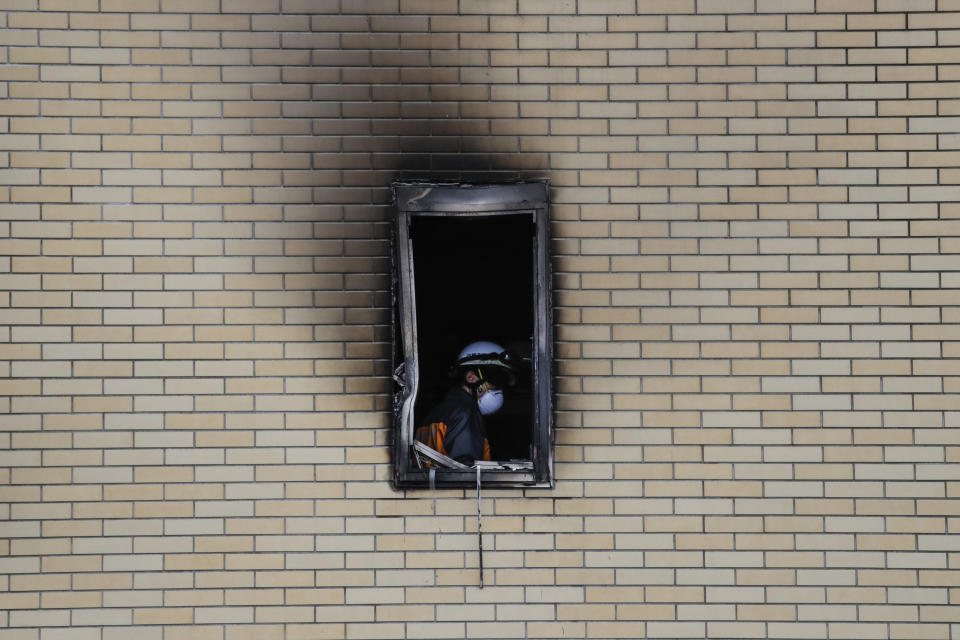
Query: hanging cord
479	528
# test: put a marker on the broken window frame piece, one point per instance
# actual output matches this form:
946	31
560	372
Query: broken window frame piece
460	200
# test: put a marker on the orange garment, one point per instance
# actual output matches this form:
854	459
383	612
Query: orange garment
433	436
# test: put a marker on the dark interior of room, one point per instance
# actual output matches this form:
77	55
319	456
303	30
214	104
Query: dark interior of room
473	279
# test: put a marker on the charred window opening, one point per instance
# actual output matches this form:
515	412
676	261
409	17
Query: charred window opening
471	264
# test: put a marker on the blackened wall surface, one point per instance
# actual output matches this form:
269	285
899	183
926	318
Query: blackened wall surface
756	294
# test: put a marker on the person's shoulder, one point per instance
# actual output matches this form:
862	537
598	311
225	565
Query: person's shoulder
456	395
459	405
454	401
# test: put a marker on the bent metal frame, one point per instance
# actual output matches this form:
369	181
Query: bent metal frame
412	199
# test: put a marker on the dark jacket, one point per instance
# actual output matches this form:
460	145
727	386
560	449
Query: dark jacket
455	428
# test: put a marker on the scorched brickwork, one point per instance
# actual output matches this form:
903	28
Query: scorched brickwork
755	230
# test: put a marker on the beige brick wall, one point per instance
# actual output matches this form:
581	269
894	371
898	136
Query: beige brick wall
757	296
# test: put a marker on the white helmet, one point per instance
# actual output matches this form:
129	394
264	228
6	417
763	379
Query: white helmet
489	356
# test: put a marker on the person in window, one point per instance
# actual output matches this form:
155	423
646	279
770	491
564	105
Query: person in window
455	427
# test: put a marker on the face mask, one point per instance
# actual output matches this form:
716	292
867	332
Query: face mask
490	402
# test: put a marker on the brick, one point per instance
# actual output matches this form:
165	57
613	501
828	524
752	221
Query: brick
753	226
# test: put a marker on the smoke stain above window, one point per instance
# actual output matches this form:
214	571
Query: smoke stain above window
471	266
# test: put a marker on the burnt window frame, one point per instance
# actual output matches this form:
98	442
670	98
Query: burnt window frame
413	199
